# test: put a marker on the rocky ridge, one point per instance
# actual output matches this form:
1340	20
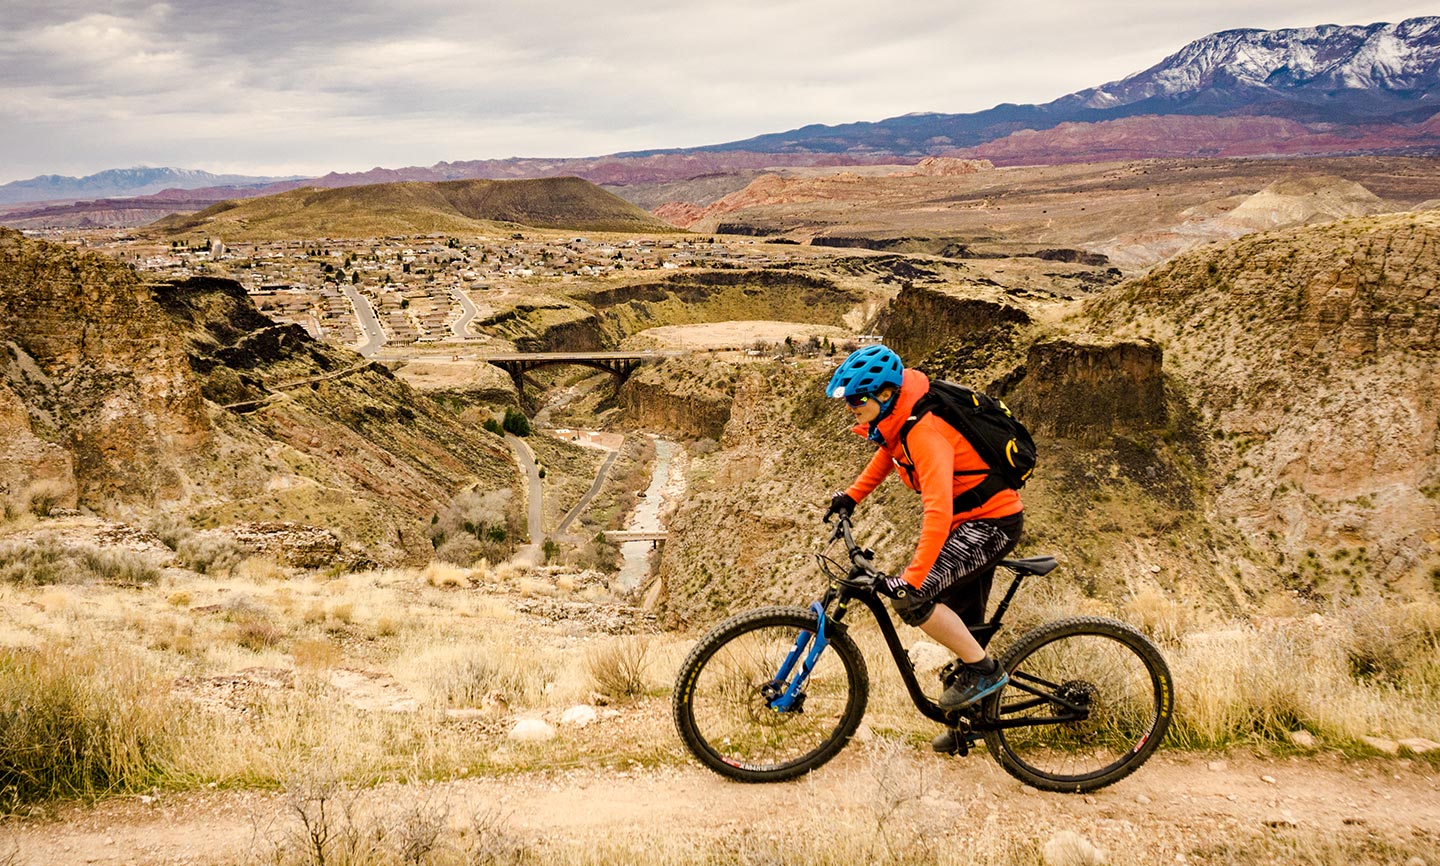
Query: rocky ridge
113	397
1312	356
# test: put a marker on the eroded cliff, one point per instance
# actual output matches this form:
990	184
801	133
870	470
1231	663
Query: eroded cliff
182	397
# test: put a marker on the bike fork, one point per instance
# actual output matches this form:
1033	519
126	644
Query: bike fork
792	699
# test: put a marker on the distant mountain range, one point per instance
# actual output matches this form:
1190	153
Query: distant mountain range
1367	89
1376	74
121	182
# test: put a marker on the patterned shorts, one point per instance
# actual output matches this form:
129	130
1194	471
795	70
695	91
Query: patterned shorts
961	576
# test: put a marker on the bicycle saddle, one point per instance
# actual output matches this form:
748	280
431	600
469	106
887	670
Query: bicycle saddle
1033	565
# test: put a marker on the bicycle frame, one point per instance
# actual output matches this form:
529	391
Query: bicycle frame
785	695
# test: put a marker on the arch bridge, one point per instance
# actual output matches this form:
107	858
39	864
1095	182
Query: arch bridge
618	364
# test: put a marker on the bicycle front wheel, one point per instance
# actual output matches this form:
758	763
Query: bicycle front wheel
724	702
1088	702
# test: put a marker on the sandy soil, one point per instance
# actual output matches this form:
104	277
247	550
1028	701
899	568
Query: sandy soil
729	335
1176	804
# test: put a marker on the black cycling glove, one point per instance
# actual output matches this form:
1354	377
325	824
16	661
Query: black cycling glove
894	586
840	504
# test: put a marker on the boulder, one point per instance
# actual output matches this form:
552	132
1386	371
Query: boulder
1381	744
579	715
1068	848
531	731
1419	745
927	656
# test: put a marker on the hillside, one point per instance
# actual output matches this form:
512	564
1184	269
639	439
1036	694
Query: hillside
1137	213
181	402
463	206
1312	355
1249	427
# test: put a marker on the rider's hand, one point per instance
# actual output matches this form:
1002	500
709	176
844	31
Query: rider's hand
840	504
894	586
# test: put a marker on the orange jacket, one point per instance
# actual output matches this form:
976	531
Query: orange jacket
937	452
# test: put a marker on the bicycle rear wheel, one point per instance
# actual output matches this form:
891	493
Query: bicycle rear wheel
724	692
1088	702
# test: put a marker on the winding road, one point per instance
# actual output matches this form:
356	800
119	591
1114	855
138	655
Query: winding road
530	554
461	328
369	324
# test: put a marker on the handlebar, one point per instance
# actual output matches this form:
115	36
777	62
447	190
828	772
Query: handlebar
863	574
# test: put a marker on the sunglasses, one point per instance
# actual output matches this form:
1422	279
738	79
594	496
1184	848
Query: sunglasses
858	401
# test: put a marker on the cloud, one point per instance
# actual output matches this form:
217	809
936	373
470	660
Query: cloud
303	87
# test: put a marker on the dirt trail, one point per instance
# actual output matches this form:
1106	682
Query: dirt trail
1175	805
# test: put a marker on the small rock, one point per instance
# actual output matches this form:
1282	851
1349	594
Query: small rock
1419	745
1154	569
1142	799
1415	861
1304	739
863	734
1217	766
927	656
1380	744
1269	779
579	715
1068	848
531	730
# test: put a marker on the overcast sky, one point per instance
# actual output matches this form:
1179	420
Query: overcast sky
281	87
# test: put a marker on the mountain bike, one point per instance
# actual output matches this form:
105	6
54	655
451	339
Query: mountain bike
774	693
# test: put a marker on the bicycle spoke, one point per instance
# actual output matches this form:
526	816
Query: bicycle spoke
727	705
731	707
1097	674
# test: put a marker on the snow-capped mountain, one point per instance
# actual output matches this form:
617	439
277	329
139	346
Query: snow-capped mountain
1333	75
1385	62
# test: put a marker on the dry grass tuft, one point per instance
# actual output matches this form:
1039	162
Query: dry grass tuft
1162	618
619	668
49	562
445	575
316	654
80	724
480	675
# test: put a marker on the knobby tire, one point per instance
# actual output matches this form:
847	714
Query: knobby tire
724	718
1102	664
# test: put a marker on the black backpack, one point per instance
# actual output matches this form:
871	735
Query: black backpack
990	428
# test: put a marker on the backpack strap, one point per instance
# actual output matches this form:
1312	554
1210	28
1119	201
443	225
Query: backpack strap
980	493
970	499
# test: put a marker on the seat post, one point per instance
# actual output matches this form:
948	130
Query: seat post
994	624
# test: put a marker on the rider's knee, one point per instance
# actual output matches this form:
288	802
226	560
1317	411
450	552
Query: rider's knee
914	614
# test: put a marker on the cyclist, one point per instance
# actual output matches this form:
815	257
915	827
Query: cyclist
968	524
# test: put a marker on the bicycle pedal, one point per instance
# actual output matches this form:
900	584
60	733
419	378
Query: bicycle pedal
952	742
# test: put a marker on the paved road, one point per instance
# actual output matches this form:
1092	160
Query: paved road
530	554
369	325
461	328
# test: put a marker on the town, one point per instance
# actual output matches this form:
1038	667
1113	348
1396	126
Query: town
420	289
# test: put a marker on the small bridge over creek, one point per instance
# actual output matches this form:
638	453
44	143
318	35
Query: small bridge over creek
618	364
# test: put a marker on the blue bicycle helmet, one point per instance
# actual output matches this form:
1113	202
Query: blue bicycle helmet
866	371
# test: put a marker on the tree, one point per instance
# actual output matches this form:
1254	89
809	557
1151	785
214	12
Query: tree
516	423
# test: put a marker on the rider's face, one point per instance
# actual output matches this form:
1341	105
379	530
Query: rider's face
868	411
